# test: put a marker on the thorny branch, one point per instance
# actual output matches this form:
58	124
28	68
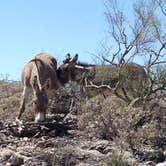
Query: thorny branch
145	37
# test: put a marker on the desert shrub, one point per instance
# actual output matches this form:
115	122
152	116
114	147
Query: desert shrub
10	95
132	128
106	74
9	107
65	156
60	102
131	79
113	160
97	116
65	100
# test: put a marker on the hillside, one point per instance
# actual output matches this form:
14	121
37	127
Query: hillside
99	131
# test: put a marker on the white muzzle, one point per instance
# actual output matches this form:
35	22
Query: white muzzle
40	117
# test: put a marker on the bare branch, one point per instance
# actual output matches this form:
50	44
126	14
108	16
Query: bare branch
107	60
103	87
147	37
162	4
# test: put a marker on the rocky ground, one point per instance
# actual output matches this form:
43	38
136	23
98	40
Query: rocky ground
101	131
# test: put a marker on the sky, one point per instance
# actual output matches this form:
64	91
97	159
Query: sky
29	27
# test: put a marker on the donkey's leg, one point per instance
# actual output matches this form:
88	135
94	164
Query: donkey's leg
24	98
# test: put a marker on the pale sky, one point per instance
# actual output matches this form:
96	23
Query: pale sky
28	27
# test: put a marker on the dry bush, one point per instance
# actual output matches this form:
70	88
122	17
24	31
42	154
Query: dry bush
115	161
65	156
101	75
9	99
139	130
139	37
133	80
97	116
60	102
128	81
65	100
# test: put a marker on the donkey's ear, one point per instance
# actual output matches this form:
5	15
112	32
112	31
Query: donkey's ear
69	63
75	58
73	61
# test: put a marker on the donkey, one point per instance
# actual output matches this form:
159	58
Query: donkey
130	77
40	74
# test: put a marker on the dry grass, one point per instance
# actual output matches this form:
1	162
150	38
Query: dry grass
139	130
9	99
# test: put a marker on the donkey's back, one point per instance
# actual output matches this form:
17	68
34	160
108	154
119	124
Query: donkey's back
43	66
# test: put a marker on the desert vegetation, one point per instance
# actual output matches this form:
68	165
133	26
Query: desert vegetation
120	117
139	40
103	130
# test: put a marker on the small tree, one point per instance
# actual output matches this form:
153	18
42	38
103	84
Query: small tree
139	38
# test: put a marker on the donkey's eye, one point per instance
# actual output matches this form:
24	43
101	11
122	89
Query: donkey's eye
35	102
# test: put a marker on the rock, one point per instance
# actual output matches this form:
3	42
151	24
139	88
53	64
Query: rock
8	164
10	158
34	162
161	164
148	163
128	156
103	146
15	160
153	155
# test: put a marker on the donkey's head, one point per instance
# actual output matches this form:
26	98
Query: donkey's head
65	72
40	102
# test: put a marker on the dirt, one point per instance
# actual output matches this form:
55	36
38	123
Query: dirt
97	132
